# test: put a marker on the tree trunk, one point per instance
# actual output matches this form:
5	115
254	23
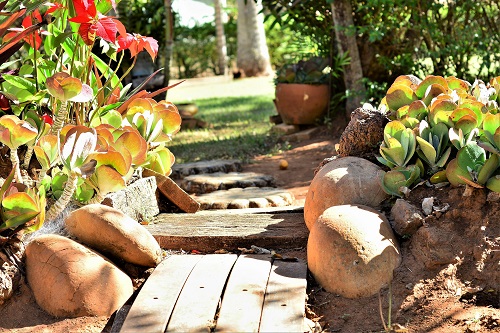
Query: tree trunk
253	54
169	44
221	39
345	35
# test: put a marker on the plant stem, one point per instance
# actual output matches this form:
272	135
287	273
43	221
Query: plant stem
41	176
63	201
15	164
97	199
27	157
60	118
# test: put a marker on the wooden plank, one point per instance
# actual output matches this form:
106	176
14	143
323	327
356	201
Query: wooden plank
241	306
198	303
155	302
222	230
284	302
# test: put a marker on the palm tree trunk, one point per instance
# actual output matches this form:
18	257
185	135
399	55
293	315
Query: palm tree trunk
345	35
252	54
221	39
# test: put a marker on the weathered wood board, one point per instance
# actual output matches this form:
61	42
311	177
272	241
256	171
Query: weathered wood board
242	303
283	309
214	230
198	303
220	293
155	302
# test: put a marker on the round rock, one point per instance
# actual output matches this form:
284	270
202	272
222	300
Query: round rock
352	251
113	233
347	180
70	280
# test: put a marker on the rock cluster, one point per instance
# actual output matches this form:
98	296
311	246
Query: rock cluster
351	250
79	275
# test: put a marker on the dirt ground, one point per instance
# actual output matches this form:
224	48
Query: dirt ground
422	299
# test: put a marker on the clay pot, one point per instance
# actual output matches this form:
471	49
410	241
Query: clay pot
301	104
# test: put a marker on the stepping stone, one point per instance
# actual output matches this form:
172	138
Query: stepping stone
250	197
180	171
212	230
206	183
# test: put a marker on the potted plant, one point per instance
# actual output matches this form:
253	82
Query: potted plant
303	91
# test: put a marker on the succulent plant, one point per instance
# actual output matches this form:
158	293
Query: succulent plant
471	166
433	145
398	146
440	111
315	70
397	181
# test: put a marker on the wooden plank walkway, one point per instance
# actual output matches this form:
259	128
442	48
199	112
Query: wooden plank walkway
220	293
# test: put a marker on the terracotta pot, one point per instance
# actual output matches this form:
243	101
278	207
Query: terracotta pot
301	104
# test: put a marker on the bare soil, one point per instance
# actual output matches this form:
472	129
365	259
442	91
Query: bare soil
427	295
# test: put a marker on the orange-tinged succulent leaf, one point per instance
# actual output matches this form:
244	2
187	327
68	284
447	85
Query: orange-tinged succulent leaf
442	105
17	204
462	112
119	161
171	121
408	80
393	127
431	80
491	122
417	109
433	91
161	161
455	174
466	123
135	144
108	179
457	84
15	132
140	105
402	111
46	150
399	95
477	107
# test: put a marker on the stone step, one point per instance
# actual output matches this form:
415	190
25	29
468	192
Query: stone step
250	197
206	183
180	171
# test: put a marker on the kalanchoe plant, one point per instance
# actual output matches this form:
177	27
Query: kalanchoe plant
315	70
65	88
471	166
398	146
433	145
490	134
75	147
21	208
397	182
450	118
14	133
101	131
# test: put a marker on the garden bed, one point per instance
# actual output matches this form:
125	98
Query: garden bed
423	299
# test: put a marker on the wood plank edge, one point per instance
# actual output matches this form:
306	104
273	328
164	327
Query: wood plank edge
229	243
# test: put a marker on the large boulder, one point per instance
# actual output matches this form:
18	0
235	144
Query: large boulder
347	180
70	280
113	233
352	251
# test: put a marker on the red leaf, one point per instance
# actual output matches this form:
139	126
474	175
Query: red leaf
106	28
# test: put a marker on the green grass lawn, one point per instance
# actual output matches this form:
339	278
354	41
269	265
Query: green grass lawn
239	125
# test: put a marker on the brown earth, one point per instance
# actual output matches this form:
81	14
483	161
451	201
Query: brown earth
427	295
